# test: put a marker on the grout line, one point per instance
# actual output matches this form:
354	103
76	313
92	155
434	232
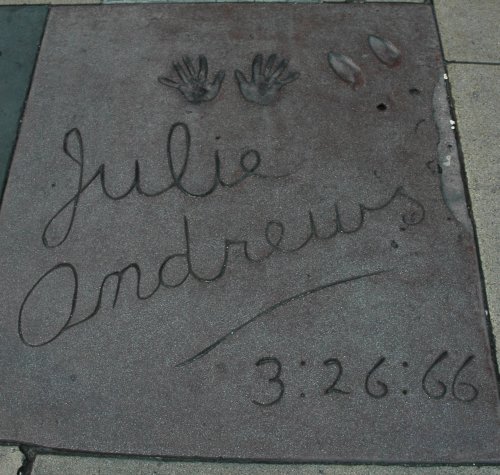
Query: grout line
482	63
487	314
37	450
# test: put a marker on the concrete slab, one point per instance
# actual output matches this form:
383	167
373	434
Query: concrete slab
476	92
396	1
56	464
469	30
208	252
252	1
215	1
11	459
20	33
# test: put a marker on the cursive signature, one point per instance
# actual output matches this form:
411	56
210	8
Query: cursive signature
249	162
274	232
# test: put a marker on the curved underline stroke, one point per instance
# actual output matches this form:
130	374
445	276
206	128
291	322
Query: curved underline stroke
271	309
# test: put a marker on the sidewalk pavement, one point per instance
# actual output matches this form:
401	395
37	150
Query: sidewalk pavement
471	41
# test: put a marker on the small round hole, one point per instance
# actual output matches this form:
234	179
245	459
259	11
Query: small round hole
302	363
414	91
382	107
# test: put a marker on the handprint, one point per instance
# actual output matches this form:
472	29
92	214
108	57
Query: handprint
266	80
194	85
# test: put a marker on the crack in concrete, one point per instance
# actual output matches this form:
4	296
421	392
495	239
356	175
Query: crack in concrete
28	461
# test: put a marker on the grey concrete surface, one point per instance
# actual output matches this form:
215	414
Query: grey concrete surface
476	92
469	29
396	1
72	465
220	1
11	460
396	269
238	1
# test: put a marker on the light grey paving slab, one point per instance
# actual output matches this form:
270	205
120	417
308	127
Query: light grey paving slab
57	464
215	1
396	1
469	30
249	1
11	459
262	265
476	92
